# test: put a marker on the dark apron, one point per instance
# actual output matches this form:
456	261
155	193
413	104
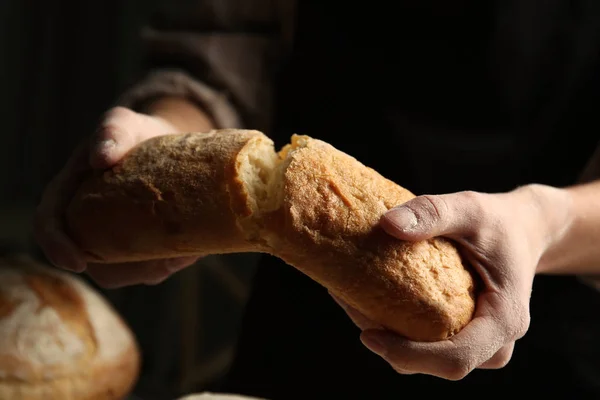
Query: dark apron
439	97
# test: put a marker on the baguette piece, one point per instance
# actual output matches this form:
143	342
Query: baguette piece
311	205
59	338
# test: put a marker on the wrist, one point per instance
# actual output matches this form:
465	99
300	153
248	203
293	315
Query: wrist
181	114
553	217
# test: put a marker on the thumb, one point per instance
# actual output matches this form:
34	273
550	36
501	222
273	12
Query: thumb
429	216
120	131
113	138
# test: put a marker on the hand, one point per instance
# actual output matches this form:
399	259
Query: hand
503	236
120	130
112	276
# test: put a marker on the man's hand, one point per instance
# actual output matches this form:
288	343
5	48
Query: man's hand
120	130
503	236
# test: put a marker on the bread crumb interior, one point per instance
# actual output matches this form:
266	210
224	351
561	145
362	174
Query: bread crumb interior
262	171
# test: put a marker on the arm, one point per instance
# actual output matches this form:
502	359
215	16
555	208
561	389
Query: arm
508	238
184	115
574	215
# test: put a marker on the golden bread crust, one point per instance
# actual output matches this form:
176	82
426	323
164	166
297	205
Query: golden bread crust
170	197
59	339
196	194
328	228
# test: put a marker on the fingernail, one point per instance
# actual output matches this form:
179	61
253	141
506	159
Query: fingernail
101	156
373	344
402	218
105	146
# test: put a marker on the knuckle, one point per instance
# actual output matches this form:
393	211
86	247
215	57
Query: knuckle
457	373
487	225
457	368
435	206
522	325
516	318
477	203
501	360
401	365
472	196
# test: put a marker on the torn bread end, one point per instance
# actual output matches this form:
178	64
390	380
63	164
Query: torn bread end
261	171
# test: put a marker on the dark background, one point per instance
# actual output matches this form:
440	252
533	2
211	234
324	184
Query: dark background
62	65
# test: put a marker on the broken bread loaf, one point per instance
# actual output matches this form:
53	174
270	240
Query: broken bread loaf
313	206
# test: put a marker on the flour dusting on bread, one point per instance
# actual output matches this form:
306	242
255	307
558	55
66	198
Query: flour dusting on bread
59	338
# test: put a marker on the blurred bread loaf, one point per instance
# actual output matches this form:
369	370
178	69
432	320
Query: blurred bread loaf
59	339
309	204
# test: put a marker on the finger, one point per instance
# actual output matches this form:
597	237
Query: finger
112	276
500	359
356	316
119	132
428	216
48	223
59	249
114	137
402	372
169	267
451	359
